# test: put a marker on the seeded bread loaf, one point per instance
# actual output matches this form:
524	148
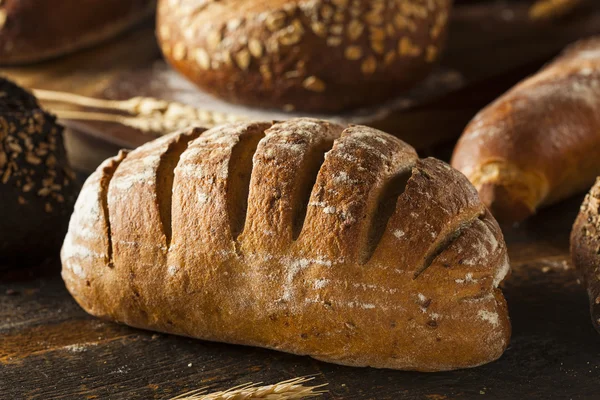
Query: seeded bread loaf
34	30
538	143
298	236
37	188
315	55
585	249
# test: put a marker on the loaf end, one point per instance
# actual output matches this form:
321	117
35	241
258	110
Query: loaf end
510	193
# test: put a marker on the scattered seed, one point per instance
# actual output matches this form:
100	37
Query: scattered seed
242	59
334	41
255	48
369	65
389	57
353	52
179	51
407	48
275	21
319	29
314	84
378	47
355	29
337	29
214	39
32	159
431	54
202	58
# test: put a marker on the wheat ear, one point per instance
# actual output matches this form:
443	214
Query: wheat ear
287	390
146	114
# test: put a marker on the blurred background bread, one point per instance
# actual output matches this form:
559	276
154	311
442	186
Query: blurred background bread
34	30
540	142
325	55
585	249
37	187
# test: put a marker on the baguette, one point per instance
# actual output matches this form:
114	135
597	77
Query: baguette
305	55
298	236
585	249
538	143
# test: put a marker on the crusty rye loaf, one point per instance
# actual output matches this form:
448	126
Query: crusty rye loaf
35	30
37	185
298	236
585	248
538	143
314	55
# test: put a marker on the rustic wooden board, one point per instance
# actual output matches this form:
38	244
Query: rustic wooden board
49	348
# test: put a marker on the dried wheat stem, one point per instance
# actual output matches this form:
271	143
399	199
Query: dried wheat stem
156	124
75	99
90	116
287	390
136	105
146	113
550	9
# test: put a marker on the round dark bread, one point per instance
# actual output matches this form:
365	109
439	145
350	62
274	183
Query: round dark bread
585	249
310	55
33	30
37	187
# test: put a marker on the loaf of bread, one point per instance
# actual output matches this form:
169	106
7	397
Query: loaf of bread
312	55
585	249
539	143
34	30
37	187
298	236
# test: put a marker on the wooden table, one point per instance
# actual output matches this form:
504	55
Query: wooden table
51	349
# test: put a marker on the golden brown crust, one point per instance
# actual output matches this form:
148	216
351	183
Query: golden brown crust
585	249
319	55
33	30
333	275
539	142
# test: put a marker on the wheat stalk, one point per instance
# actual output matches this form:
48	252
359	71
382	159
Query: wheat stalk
146	114
291	389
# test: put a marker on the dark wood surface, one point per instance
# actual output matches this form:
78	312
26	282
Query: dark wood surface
51	349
